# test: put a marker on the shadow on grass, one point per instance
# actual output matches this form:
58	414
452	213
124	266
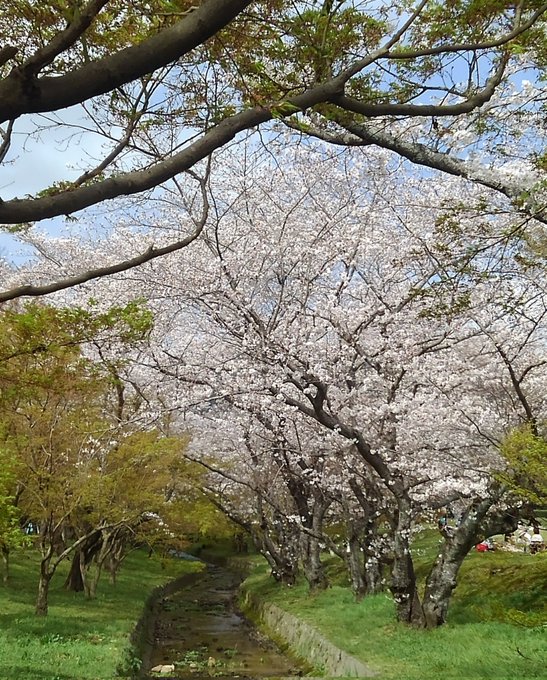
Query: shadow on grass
79	638
22	672
14	627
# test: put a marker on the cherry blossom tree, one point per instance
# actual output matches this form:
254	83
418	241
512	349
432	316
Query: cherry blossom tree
142	94
398	321
348	331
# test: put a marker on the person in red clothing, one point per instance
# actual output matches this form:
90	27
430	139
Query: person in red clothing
485	546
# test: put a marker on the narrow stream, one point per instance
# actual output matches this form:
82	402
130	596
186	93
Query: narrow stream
200	634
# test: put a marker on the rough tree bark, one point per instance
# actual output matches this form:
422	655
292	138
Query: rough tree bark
442	579
310	547
403	577
42	599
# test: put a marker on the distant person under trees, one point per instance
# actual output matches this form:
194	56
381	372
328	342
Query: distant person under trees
537	543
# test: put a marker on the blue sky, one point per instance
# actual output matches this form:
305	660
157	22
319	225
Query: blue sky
35	161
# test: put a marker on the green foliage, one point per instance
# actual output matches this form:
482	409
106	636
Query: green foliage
40	329
143	474
533	250
59	422
526	455
32	25
76	461
11	535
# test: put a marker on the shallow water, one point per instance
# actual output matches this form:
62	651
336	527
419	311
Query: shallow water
200	631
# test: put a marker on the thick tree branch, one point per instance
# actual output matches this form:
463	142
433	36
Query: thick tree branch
28	210
422	155
333	423
62	41
20	94
150	254
437	110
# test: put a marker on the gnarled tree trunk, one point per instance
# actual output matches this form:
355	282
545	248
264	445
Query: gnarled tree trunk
473	526
310	546
403	578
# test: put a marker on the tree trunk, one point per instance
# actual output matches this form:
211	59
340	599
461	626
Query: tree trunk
373	575
442	578
5	560
114	552
91	581
284	572
85	568
74	581
43	591
104	548
112	573
310	547
282	569
279	545
47	549
363	543
354	562
403	578
313	568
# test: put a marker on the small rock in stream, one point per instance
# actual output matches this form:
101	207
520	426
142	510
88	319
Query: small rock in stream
163	668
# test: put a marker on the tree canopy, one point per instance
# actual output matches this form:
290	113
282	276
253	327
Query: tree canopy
158	86
349	311
351	344
77	463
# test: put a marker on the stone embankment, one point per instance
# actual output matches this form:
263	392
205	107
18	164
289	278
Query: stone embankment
303	640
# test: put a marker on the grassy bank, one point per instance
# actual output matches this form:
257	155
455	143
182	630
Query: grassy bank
79	639
497	625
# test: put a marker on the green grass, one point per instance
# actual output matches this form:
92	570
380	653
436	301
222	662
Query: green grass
497	622
79	639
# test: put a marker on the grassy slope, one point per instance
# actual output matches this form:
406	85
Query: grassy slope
497	625
79	639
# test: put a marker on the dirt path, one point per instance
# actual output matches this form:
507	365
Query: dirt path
199	631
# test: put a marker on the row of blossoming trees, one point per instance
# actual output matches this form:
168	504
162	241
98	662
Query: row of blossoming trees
351	346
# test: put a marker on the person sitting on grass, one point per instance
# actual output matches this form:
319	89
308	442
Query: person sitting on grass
485	546
536	542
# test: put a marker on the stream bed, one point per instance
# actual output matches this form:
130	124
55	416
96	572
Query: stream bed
199	633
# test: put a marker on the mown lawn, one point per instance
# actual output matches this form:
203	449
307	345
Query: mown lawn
79	639
497	622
